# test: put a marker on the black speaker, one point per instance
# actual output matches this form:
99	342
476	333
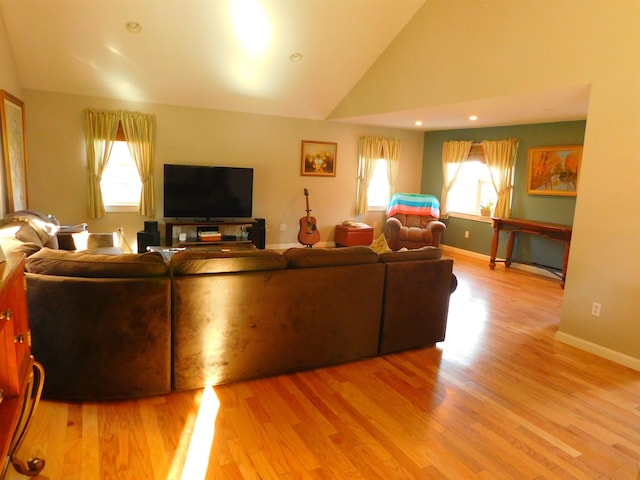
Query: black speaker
259	233
146	239
150	227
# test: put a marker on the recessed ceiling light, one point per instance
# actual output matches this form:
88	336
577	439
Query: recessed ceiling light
418	123
295	57
473	118
133	27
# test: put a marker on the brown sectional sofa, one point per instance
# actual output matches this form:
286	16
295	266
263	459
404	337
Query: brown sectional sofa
108	327
100	324
306	308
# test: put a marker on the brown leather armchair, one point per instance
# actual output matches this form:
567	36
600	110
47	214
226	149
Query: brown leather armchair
413	221
413	231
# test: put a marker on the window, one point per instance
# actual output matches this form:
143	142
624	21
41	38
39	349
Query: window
473	187
124	170
120	184
378	192
377	157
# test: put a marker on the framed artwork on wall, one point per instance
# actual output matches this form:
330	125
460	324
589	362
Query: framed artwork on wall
554	170
14	149
319	158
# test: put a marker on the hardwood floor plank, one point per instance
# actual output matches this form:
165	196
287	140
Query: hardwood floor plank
499	399
88	447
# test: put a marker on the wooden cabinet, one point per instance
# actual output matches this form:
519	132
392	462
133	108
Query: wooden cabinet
183	233
20	376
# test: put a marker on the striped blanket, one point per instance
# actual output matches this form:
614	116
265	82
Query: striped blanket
413	204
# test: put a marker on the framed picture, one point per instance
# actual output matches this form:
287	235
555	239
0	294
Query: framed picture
554	170
14	148
319	158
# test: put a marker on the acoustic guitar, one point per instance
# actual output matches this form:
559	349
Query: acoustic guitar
308	234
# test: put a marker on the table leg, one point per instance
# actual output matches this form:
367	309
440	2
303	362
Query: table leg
565	262
494	245
510	242
34	465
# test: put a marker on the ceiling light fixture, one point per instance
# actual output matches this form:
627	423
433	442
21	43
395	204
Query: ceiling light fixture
473	118
133	27
295	57
418	123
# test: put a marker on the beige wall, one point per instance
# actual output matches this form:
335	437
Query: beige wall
472	50
271	145
8	73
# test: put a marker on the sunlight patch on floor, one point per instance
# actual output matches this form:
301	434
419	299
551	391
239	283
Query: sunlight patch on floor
466	322
192	456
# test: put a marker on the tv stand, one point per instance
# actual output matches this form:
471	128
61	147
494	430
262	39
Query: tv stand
189	233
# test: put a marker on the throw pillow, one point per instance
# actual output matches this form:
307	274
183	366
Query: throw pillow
380	245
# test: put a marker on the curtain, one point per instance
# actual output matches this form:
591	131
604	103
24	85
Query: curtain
500	157
100	133
454	153
391	153
370	150
138	132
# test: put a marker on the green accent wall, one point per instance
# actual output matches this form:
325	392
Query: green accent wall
545	208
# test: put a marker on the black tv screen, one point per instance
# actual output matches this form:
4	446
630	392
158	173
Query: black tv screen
194	191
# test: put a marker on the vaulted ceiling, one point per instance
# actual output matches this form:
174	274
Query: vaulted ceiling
294	58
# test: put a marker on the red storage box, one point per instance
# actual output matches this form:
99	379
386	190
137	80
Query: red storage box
349	236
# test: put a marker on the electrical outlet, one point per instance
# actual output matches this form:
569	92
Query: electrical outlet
283	227
595	309
466	234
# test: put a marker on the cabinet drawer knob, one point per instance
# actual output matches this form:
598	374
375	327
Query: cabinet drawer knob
6	315
18	338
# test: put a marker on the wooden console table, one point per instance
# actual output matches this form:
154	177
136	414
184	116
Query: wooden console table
514	225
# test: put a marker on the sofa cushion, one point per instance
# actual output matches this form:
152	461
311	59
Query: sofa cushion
81	264
424	253
326	257
27	234
194	262
11	244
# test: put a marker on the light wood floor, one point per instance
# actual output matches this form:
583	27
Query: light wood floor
499	399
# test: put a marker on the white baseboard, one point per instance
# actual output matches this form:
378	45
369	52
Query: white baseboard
519	266
462	251
599	350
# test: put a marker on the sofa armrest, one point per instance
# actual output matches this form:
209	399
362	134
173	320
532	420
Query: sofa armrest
100	240
393	228
436	225
84	240
394	222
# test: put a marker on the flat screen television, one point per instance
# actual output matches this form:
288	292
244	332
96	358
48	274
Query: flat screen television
199	191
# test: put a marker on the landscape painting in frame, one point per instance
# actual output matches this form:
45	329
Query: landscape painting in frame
14	150
554	170
319	158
